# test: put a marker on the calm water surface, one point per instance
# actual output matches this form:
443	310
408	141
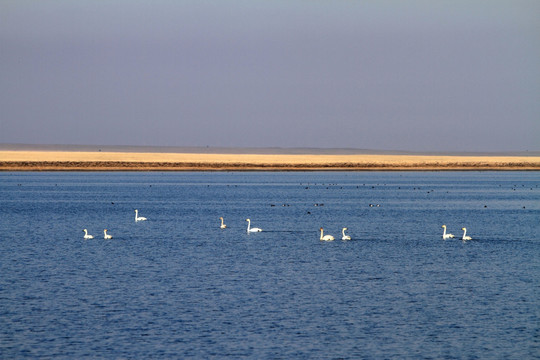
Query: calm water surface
177	286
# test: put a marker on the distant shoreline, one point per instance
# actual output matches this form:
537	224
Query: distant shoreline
153	161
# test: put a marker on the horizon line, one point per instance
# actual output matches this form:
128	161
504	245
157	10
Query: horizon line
248	150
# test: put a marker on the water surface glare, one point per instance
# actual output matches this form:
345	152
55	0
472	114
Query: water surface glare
178	286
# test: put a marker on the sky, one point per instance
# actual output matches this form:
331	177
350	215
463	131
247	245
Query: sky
415	75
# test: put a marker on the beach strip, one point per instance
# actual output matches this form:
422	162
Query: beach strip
140	161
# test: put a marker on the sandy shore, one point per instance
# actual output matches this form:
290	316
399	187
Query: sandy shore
138	161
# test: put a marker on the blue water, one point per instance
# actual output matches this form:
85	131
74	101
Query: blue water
177	286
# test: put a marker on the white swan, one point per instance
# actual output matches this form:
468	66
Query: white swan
445	235
326	237
86	235
345	237
105	235
250	229
137	217
465	237
223	226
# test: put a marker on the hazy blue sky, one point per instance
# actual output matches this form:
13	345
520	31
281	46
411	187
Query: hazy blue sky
395	75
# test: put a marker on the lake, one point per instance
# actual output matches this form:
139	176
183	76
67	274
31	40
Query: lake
178	286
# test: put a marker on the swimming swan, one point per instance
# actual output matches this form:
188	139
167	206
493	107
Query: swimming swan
345	237
250	229
445	235
86	235
464	235
223	226
326	237
137	217
105	235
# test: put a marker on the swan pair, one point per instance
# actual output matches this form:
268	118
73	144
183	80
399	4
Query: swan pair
331	238
249	228
451	236
106	236
137	217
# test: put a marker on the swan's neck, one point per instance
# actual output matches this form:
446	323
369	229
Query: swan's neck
249	224
221	222
321	234
444	232
464	232
343	232
85	232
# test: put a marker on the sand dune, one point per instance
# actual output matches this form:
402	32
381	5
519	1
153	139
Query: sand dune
134	161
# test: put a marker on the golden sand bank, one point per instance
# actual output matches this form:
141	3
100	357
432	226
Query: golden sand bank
138	161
